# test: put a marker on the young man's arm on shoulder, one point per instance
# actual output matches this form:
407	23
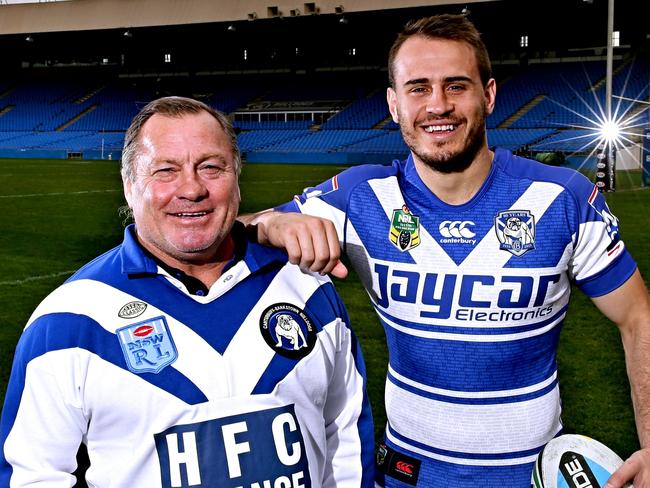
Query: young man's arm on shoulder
629	307
310	242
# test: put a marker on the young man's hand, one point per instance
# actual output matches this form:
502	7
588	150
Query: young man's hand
310	242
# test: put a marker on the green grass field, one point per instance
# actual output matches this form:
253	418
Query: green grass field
57	215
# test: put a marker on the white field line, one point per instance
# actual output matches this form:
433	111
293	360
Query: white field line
35	278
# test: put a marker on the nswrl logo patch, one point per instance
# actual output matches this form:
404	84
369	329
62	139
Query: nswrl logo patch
404	229
148	346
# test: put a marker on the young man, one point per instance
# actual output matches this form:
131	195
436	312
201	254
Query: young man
188	356
468	256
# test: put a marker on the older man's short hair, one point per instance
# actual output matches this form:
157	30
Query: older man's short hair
172	107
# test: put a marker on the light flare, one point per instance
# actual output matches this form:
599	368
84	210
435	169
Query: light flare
610	132
596	130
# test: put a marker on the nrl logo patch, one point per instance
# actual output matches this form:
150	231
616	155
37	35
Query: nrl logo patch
288	330
404	229
516	231
132	310
148	346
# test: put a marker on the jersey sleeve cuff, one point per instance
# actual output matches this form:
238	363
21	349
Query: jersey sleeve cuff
291	206
610	278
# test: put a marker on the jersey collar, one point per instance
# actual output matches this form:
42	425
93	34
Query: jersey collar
136	261
412	177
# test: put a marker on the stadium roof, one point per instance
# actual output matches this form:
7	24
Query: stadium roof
207	35
20	17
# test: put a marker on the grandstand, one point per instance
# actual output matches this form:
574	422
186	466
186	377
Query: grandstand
303	101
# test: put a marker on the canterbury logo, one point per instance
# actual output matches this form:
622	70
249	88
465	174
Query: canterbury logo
456	228
404	467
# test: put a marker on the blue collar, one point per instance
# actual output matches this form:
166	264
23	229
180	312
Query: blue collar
412	177
137	261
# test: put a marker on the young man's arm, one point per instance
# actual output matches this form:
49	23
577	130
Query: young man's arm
310	242
629	307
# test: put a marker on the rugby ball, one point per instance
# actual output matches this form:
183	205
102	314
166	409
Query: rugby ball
574	461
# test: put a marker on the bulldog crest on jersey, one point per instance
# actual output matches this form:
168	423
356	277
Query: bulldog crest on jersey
288	330
148	346
516	231
404	229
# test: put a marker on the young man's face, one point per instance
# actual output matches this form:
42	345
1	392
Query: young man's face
439	102
185	192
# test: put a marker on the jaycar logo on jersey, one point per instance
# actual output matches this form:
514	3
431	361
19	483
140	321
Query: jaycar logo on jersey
148	346
288	330
471	297
263	449
516	231
404	229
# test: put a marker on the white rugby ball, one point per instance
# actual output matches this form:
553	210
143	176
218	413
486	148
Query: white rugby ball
574	461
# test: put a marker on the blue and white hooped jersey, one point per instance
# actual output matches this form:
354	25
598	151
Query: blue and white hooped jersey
260	383
472	298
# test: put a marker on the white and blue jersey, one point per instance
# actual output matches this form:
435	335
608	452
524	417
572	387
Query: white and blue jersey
472	298
259	383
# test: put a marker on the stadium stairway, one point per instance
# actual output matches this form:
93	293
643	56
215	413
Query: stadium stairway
76	117
7	92
601	83
89	95
522	111
6	109
383	123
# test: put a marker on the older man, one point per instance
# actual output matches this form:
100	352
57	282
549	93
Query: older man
188	356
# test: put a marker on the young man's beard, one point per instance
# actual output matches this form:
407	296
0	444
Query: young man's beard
447	162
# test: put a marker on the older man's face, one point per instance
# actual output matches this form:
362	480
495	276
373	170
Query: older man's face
185	194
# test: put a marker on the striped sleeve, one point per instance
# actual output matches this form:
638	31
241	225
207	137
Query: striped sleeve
601	262
42	419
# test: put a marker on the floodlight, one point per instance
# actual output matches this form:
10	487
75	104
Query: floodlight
610	131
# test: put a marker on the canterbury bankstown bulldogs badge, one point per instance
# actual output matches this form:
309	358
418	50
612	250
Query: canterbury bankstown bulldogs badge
404	229
148	346
288	330
516	231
